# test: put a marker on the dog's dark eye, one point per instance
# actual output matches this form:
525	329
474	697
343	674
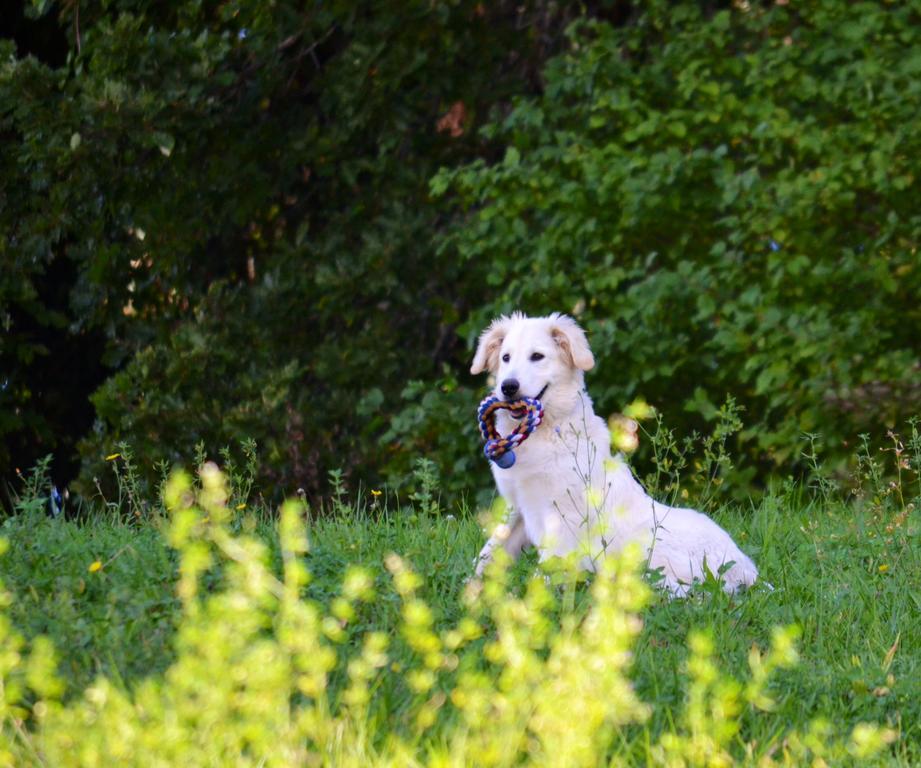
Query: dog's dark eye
536	356
506	357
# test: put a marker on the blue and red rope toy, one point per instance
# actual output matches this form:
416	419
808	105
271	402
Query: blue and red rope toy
528	410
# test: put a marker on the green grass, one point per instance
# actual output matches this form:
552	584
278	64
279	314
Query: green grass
846	576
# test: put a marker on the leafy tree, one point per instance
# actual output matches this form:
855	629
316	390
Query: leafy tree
729	201
240	191
225	210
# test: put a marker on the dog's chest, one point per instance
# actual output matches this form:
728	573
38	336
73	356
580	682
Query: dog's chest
549	448
553	473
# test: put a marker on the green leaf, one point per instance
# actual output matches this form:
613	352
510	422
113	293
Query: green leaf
678	129
38	8
164	142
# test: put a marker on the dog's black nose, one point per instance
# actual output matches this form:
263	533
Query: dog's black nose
510	387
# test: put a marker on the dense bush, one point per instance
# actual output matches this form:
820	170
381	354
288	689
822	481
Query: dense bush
730	203
236	196
229	207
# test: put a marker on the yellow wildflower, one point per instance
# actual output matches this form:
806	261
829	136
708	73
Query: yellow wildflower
639	409
96	565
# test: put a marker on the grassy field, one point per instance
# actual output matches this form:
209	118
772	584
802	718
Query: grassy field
845	576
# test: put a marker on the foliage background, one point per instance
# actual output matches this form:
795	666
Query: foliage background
228	220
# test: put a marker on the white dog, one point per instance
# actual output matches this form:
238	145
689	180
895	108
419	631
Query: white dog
565	492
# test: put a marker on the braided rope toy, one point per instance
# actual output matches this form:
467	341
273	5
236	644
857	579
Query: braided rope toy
501	449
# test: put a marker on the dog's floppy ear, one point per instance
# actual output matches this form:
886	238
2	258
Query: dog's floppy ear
487	351
571	338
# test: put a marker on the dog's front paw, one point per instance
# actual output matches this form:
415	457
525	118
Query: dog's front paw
473	587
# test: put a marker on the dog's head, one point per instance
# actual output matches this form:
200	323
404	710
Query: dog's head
541	357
